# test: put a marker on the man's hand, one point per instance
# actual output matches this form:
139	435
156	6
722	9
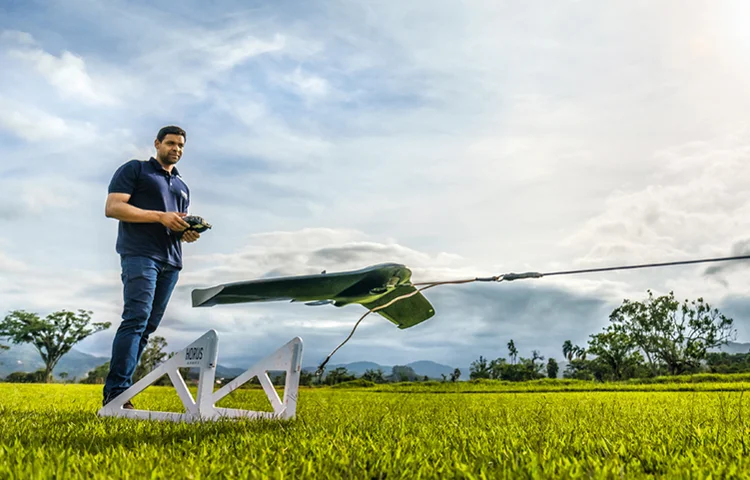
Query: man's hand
190	236
174	221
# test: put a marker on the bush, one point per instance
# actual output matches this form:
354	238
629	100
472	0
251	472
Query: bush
24	377
358	383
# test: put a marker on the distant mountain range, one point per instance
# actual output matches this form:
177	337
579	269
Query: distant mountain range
25	358
733	347
422	368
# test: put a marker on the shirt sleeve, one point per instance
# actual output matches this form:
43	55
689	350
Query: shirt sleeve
125	178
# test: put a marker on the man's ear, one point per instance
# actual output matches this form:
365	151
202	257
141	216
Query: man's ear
156	143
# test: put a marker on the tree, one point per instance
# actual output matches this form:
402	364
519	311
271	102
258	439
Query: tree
525	369
97	375
534	357
52	336
578	367
305	378
455	375
403	373
153	355
480	369
568	351
63	376
552	368
579	352
723	362
498	367
24	377
375	376
512	351
617	352
678	335
571	352
279	378
338	375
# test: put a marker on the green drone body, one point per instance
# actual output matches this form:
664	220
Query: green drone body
371	287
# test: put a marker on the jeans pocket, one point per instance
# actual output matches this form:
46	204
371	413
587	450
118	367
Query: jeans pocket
137	266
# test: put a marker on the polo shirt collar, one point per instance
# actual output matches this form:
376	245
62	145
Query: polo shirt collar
153	161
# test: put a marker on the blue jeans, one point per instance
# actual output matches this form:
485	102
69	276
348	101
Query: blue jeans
147	287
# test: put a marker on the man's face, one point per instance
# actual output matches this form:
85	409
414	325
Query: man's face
169	150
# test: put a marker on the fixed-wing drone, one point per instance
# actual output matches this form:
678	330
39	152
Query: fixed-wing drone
385	288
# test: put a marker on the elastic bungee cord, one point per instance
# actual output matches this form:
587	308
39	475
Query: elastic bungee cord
508	277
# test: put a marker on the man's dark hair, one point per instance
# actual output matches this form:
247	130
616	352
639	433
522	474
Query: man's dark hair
174	130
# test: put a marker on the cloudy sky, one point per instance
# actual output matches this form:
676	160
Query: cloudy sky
461	139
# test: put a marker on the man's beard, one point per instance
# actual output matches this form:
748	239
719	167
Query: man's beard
168	159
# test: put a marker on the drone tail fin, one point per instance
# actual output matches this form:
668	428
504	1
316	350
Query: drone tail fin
205	297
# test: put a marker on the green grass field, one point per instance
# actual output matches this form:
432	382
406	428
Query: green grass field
52	431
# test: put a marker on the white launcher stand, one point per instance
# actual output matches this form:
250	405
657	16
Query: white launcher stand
203	353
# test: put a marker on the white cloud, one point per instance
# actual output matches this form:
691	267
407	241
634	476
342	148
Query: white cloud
261	134
209	55
22	287
692	203
307	85
10	265
30	123
67	73
226	53
39	197
17	37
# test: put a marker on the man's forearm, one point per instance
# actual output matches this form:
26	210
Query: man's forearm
128	213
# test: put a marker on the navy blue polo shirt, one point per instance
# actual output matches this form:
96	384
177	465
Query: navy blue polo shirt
150	188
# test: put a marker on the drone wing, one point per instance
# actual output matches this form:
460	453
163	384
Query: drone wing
344	287
296	288
405	312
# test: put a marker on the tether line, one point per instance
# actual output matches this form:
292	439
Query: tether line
648	265
516	276
507	277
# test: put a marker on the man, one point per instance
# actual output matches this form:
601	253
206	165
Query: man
150	199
